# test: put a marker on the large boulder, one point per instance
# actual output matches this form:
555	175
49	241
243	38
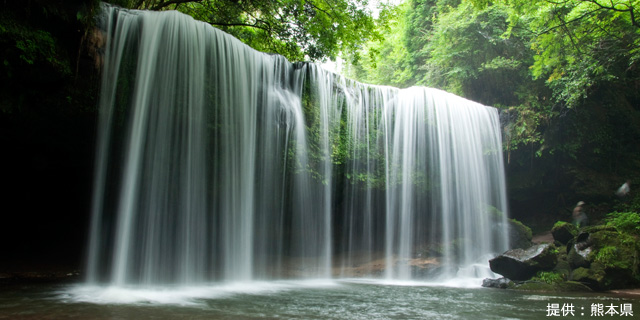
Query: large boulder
563	232
522	264
519	235
605	259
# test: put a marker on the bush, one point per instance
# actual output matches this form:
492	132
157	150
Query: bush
624	221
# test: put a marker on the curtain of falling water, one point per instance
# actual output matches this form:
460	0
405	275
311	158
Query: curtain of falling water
217	162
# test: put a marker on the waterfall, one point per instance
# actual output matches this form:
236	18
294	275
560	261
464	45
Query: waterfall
216	162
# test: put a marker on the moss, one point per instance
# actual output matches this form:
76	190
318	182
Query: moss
608	256
519	235
494	213
593	277
526	231
548	277
624	221
548	258
563	231
580	274
613	261
614	249
562	266
597	228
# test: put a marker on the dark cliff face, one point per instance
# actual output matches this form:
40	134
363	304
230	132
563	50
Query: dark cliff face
588	153
48	100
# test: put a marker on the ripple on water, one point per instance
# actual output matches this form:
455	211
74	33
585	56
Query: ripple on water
344	299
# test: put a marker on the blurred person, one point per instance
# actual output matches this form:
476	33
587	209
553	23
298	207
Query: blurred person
624	189
579	216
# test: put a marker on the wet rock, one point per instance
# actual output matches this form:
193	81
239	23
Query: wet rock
578	256
500	283
583	238
562	267
563	232
520	264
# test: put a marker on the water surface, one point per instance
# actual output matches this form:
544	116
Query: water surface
356	299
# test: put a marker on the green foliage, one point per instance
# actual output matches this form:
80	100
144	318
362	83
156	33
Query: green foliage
559	224
31	45
123	3
449	45
384	60
299	30
548	277
523	127
607	256
616	249
580	44
631	204
624	221
536	59
40	56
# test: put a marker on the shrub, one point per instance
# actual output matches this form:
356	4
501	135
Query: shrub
624	221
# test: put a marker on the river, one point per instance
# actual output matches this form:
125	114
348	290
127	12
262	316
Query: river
312	299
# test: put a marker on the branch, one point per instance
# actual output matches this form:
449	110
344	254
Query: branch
321	10
223	24
568	32
613	7
139	4
563	23
629	9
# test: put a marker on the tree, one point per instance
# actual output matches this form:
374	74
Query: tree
564	72
297	29
384	60
581	44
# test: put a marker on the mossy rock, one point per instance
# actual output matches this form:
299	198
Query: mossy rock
616	250
593	277
519	235
579	258
564	231
562	266
597	228
609	262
